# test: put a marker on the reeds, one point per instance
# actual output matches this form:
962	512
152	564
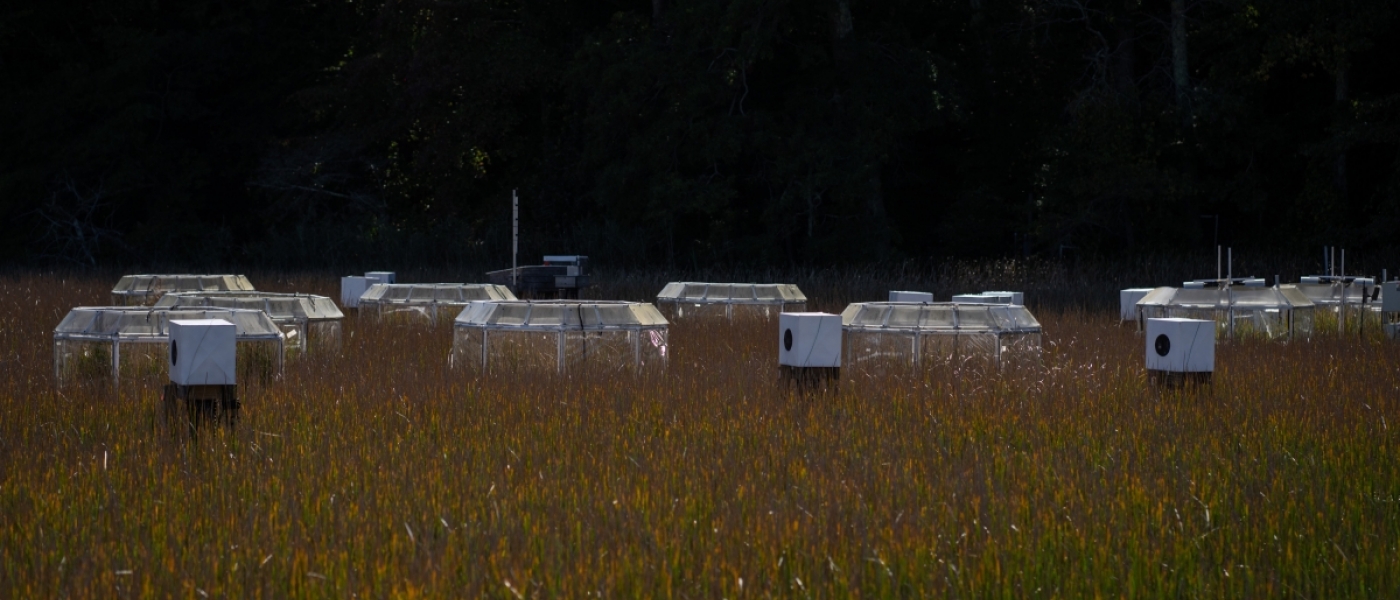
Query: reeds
383	473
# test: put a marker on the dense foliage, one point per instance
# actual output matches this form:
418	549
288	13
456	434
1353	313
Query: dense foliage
686	132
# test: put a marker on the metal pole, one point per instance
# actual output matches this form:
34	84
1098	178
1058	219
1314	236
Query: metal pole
1217	263
514	239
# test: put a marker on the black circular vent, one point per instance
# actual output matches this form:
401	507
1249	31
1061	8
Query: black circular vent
787	340
174	352
1163	344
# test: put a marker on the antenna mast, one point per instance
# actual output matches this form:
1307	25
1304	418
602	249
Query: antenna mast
514	240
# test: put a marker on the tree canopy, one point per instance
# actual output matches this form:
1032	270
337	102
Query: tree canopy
302	133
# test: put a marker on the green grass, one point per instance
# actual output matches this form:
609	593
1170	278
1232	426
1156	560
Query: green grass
382	473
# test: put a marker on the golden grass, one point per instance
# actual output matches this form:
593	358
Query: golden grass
381	473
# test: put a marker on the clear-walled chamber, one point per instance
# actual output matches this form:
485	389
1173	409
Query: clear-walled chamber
427	302
145	290
120	342
880	335
1279	312
560	336
311	324
689	299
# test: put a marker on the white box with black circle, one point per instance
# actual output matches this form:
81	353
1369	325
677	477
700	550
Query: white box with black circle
808	339
1181	345
203	352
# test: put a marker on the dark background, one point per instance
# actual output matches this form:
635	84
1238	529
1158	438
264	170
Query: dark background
299	134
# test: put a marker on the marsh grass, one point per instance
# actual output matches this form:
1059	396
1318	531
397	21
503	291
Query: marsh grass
383	473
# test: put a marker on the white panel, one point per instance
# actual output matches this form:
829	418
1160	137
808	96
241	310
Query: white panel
911	297
971	299
351	288
561	259
1390	296
1181	345
202	352
809	340
1017	298
1127	302
381	277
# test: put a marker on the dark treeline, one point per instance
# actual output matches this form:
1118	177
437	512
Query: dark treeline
292	133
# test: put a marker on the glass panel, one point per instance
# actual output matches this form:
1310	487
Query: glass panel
870	316
76	360
1023	318
937	317
905	316
522	351
467	348
324	337
599	351
937	349
754	311
871	353
511	314
551	316
295	337
654	349
1020	350
976	318
700	311
613	314
980	345
407	314
1303	322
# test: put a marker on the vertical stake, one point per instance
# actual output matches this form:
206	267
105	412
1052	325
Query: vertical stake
1217	264
514	240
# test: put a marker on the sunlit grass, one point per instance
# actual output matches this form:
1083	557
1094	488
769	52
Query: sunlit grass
383	473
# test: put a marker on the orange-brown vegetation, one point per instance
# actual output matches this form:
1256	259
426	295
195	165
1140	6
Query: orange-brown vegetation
382	473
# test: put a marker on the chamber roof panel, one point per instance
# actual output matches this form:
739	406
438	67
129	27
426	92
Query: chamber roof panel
731	293
434	293
144	285
280	306
556	315
152	324
938	316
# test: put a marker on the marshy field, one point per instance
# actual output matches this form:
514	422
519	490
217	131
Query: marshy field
379	472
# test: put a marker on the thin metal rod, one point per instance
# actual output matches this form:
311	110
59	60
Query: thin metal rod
514	239
1341	284
1217	263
